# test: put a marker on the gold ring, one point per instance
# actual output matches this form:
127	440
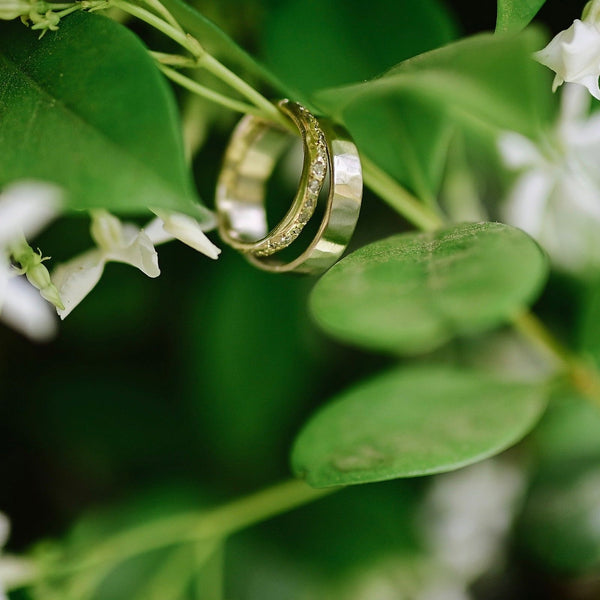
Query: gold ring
253	151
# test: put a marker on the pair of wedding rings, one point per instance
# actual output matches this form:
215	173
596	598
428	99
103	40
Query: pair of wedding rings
330	190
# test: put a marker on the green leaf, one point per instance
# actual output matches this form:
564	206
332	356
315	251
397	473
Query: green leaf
411	422
357	43
218	43
411	143
86	108
411	292
514	15
484	80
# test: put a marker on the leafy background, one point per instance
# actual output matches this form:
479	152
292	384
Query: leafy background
163	394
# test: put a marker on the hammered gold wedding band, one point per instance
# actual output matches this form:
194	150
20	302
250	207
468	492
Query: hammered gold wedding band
253	151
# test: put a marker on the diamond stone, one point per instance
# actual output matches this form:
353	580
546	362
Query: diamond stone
319	169
314	186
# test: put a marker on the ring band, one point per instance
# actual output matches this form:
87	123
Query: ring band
253	151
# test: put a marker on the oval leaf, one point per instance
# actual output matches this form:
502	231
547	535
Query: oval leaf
411	292
411	422
485	80
86	108
514	15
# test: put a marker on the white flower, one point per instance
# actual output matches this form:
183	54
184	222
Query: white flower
117	242
574	54
25	208
170	225
556	199
468	513
13	570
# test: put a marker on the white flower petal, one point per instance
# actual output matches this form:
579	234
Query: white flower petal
76	279
574	55
5	275
518	151
15	570
139	252
468	513
25	208
189	231
527	203
574	106
156	232
26	311
591	83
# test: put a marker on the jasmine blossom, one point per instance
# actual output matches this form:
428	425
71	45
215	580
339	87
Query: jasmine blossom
574	54
172	225
25	209
116	242
556	195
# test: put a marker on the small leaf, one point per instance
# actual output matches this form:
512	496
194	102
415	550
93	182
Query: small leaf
412	292
514	15
412	422
86	108
484	80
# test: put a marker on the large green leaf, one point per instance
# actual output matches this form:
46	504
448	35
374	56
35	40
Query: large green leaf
413	291
484	80
86	108
348	41
514	15
411	422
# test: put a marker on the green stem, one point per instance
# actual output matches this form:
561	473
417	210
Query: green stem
206	61
204	92
219	70
173	60
186	41
582	376
398	197
160	8
196	527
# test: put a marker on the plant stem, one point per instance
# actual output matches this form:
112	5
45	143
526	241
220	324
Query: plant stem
197	527
219	70
186	41
398	197
204	92
206	61
160	8
582	376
